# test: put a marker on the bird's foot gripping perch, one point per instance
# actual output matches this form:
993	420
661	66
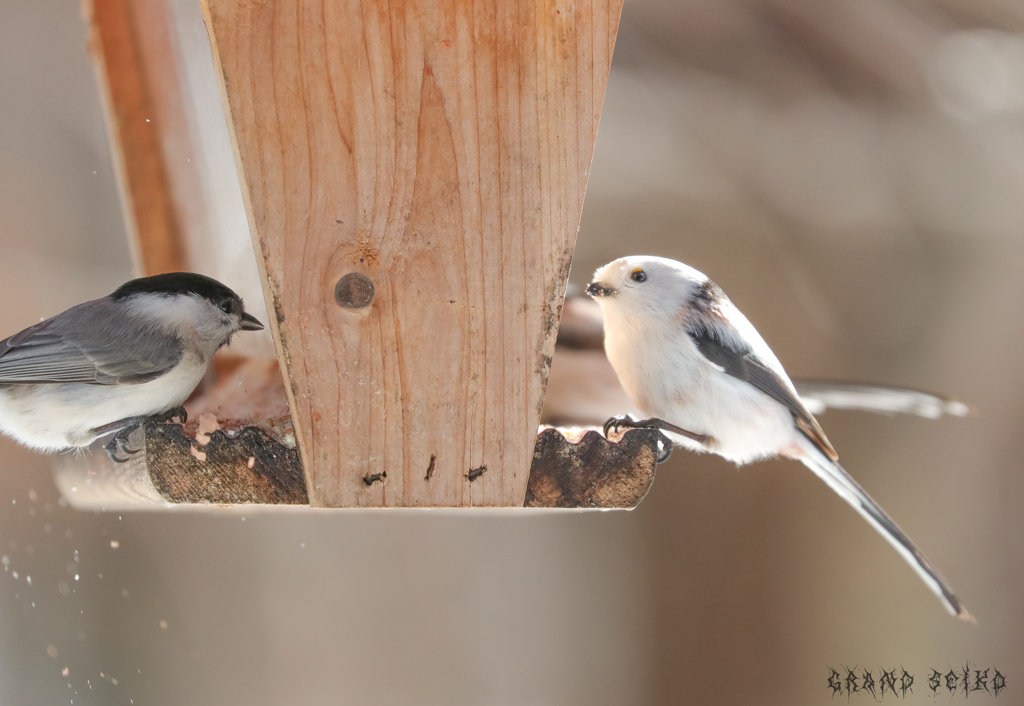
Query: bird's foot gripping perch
125	428
170	414
628	422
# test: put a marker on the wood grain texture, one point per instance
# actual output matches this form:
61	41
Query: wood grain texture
126	81
168	136
441	148
250	459
572	469
586	470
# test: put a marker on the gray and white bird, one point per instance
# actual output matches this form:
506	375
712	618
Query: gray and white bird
109	364
692	361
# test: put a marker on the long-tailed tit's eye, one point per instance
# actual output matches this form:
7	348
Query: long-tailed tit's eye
638	275
225	306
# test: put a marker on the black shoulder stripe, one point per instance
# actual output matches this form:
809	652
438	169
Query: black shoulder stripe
744	365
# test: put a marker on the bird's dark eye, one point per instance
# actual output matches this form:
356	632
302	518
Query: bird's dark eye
638	275
225	306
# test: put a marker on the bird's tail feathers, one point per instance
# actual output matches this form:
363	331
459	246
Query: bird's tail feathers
836	477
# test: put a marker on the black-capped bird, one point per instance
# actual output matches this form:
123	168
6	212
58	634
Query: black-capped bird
109	364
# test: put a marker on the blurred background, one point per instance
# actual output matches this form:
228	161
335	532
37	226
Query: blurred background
851	172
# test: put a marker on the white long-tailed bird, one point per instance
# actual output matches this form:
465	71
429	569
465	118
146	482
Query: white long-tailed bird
693	362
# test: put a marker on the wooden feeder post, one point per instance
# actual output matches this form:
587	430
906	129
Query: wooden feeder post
401	182
437	150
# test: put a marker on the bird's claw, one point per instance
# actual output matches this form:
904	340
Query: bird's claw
111	450
666	448
170	414
615	423
119	443
118	448
121	439
665	444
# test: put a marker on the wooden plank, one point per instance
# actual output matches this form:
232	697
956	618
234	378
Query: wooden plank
238	448
441	149
249	467
585	470
577	469
168	136
138	160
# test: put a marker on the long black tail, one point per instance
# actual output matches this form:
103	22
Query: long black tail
842	483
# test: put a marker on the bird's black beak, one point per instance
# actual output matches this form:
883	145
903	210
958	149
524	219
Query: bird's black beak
596	289
250	322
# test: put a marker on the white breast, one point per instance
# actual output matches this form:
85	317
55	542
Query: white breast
55	417
665	375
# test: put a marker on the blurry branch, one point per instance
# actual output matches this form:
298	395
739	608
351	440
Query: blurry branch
820	395
1005	15
118	41
876	44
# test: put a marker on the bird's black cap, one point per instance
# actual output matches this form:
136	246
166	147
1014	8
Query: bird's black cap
176	283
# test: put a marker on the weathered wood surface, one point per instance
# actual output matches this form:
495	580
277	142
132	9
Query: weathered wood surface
238	448
128	86
170	147
247	466
441	148
590	471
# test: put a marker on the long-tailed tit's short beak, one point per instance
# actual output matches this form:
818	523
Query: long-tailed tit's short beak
596	289
250	322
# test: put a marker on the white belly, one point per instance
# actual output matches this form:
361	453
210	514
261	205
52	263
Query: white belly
57	416
686	390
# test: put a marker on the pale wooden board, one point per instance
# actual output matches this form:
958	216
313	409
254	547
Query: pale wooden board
238	448
168	135
244	466
442	148
126	89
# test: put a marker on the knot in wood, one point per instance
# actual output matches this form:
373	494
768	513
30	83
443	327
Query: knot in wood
354	291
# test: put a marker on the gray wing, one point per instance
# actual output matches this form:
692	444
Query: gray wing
819	395
742	363
87	344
